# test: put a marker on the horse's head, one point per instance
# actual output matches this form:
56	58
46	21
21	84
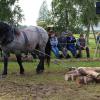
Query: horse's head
6	34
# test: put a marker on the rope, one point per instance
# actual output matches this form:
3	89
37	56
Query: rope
42	52
70	43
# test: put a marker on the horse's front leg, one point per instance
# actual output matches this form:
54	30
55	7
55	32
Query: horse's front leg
19	60
40	66
5	56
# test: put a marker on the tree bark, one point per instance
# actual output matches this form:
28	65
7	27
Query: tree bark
87	34
94	33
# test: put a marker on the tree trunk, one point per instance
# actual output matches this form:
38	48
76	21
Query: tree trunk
94	33
87	34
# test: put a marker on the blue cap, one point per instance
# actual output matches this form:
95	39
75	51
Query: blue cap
63	33
69	32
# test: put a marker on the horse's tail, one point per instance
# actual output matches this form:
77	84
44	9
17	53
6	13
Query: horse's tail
48	52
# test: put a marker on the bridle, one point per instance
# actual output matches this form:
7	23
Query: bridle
6	41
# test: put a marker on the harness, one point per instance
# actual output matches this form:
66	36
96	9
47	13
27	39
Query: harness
26	39
27	45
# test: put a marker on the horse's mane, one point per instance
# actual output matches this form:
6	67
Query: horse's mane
5	27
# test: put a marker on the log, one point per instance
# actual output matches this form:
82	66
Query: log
84	80
88	71
91	73
97	69
72	75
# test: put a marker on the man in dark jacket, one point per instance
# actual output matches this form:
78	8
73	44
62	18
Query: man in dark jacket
71	43
81	45
62	44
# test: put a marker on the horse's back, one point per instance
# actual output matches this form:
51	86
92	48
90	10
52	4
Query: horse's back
36	35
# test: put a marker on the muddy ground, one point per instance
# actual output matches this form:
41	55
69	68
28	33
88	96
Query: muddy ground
49	86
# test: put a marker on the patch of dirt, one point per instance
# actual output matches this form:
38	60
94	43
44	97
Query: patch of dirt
45	87
14	91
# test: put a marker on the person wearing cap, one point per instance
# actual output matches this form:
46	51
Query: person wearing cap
81	45
62	45
71	43
54	44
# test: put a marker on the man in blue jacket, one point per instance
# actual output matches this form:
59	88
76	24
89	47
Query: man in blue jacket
62	44
71	43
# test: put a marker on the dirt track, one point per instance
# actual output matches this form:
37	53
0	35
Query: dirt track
15	87
48	86
15	91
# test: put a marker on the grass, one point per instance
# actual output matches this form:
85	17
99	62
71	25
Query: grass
48	86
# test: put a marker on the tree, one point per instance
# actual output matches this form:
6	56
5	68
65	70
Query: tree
73	14
64	14
88	16
10	11
45	17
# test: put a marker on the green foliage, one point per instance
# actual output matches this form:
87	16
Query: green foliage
43	13
10	11
45	17
74	14
65	15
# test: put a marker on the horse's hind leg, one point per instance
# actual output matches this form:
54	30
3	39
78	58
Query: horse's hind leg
19	60
5	64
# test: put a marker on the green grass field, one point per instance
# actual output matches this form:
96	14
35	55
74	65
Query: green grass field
47	86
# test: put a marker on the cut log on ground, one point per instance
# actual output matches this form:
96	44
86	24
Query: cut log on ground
72	75
84	80
97	69
84	75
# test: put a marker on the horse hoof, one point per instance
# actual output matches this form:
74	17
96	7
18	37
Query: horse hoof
39	71
4	73
3	76
22	74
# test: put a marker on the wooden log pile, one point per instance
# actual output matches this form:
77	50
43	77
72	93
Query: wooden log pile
83	75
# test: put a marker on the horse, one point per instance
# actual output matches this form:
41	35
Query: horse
22	40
